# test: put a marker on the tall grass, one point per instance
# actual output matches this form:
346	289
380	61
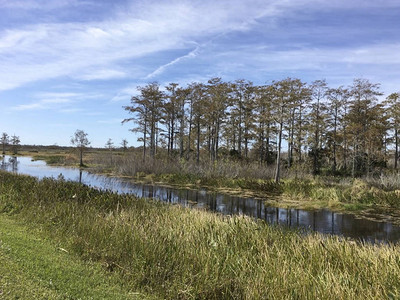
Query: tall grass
177	253
132	163
345	191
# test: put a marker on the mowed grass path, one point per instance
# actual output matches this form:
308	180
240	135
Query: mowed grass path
32	267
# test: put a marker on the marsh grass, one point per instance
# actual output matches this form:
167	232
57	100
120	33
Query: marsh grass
177	253
355	193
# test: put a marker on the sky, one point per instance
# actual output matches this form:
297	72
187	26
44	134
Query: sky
73	64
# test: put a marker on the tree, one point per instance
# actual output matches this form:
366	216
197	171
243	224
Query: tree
317	118
4	140
124	144
110	144
198	96
282	94
15	142
242	117
147	112
299	98
393	103
170	112
337	104
81	142
264	120
218	95
182	95
363	121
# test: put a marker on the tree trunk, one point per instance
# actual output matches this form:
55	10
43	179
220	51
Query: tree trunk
172	134
334	141
144	140
396	153
240	129
190	130
198	141
81	157
217	140
278	159
181	130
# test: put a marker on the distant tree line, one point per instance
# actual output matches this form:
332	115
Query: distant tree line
339	130
9	141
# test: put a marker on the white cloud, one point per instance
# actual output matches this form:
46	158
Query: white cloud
110	121
42	104
103	75
45	51
61	101
109	49
41	4
121	97
57	95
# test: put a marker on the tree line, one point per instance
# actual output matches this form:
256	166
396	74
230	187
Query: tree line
343	129
13	141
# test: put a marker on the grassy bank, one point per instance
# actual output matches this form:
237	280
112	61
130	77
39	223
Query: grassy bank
32	267
175	253
296	189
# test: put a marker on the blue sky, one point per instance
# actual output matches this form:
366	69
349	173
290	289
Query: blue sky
73	64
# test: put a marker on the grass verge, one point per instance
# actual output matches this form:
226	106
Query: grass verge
32	267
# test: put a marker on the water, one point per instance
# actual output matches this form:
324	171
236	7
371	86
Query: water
323	221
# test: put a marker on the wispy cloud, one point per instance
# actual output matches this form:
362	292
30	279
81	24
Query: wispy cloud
68	49
110	121
162	68
103	75
41	4
121	97
55	100
42	104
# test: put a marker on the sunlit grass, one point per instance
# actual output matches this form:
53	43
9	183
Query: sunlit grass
32	267
177	253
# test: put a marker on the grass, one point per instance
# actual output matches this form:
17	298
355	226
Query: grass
355	194
32	267
175	253
250	179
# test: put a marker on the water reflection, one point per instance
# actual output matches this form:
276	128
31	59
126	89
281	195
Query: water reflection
323	221
9	163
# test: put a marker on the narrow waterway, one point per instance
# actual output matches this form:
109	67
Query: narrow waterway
323	221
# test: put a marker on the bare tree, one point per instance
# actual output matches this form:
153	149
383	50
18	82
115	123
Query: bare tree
124	145
110	144
15	142
81	142
4	140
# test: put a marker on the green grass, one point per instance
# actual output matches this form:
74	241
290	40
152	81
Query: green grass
51	159
175	253
32	267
